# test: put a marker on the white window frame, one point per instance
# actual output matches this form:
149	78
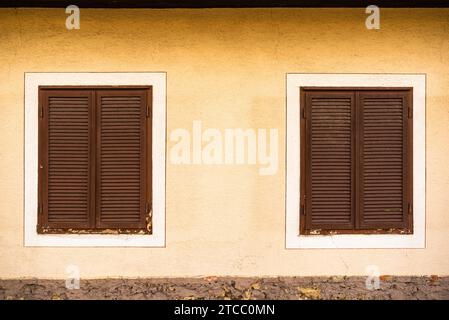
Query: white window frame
296	241
32	82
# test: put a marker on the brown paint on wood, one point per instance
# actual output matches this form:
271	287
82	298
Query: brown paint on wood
100	141
381	135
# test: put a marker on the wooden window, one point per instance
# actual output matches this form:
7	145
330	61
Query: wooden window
356	160
94	160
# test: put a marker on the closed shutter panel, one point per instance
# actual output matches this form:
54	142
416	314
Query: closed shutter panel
65	159
329	169
385	187
121	158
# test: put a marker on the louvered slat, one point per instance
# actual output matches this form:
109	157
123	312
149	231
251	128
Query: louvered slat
67	154
383	161
330	154
121	159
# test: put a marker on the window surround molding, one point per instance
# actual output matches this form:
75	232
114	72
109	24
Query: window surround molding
294	81
32	82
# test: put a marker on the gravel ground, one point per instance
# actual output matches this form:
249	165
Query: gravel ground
229	288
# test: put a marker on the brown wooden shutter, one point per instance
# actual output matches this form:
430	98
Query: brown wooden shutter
122	124
329	118
65	159
356	160
385	159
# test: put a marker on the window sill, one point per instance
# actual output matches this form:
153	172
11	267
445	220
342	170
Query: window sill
356	241
96	240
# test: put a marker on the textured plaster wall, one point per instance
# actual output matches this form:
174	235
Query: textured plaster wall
227	68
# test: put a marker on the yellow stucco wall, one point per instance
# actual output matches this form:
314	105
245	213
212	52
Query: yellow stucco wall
227	68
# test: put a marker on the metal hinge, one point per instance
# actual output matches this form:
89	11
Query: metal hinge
304	113
148	111
39	208
41	111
